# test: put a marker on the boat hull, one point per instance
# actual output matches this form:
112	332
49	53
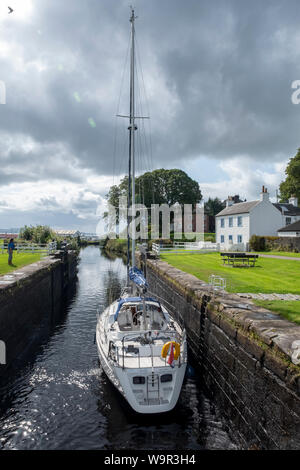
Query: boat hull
154	403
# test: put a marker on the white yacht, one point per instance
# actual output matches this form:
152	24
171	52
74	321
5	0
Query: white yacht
141	348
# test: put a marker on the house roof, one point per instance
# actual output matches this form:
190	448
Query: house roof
288	209
239	208
295	227
243	207
9	235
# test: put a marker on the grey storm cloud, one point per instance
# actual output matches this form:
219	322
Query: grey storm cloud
228	64
53	218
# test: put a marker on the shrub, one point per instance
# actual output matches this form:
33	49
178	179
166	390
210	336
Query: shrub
116	245
159	241
257	243
39	234
210	238
26	233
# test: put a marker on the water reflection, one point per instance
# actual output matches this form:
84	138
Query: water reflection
60	399
112	286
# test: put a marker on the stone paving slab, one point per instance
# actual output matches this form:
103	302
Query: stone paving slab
7	280
288	341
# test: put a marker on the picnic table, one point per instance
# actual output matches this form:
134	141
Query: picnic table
239	259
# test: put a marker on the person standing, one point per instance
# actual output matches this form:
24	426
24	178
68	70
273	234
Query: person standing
10	249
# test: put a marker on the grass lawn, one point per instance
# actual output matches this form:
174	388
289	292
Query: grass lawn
287	309
268	276
19	260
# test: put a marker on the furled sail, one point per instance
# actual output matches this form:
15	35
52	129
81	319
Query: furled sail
136	276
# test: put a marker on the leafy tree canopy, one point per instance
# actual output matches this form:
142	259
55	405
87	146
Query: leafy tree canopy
38	234
159	187
291	185
213	206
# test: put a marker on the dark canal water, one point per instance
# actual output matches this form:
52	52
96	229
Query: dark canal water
60	399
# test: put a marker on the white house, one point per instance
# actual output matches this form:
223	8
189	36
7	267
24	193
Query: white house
238	222
291	230
290	211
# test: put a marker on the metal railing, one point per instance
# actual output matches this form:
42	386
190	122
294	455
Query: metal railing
217	282
186	248
134	359
34	248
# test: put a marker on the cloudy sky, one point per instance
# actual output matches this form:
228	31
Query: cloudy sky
217	76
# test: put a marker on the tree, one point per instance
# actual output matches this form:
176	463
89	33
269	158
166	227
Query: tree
159	187
291	185
113	195
42	234
39	234
213	206
180	188
26	232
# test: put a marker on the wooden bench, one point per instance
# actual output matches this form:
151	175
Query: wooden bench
239	259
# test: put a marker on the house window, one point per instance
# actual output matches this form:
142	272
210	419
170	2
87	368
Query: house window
230	221
240	221
222	223
230	238
288	220
239	239
222	238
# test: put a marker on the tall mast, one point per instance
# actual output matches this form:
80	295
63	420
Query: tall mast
132	128
131	161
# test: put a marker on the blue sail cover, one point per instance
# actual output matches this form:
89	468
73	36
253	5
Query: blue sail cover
133	299
137	277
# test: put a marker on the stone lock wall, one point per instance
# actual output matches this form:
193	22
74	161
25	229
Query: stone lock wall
30	299
285	244
247	356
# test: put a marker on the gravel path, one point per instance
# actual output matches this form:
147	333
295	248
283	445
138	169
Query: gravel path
279	257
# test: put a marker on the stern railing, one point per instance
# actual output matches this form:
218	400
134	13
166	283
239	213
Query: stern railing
121	354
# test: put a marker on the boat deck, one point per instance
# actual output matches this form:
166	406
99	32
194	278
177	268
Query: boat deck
138	362
131	327
143	356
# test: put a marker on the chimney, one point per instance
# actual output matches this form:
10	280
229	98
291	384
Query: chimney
229	201
293	200
264	195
